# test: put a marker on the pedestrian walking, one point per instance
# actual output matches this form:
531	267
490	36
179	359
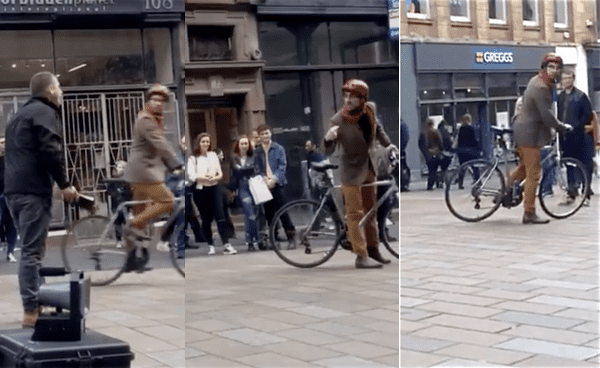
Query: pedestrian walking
119	192
405	170
532	131
431	146
244	167
204	169
467	146
575	109
354	129
150	157
34	161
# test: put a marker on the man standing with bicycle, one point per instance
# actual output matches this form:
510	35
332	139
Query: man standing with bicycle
150	157
355	128
532	131
34	161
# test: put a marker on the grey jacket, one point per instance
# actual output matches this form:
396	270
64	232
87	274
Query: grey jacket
533	123
151	154
357	154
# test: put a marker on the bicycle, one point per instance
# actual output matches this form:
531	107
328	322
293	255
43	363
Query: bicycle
91	244
319	228
477	188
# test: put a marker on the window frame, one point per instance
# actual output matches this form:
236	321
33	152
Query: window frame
536	15
424	14
566	14
461	18
502	5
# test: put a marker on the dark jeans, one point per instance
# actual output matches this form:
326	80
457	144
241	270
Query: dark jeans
432	167
180	224
7	225
32	214
190	217
210	204
274	205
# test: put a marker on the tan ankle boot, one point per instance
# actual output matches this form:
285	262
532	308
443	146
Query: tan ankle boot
30	318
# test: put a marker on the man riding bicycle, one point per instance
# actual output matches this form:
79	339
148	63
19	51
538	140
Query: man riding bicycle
150	157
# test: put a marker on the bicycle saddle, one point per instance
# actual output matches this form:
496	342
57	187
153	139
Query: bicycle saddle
322	166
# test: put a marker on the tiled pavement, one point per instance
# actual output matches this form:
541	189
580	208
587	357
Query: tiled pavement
253	310
497	293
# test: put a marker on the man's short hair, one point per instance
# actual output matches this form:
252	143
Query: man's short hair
569	71
261	128
40	83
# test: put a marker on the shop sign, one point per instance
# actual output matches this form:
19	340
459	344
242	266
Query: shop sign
394	18
493	58
90	6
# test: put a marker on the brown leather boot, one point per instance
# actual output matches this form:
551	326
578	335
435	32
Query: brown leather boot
30	318
532	218
374	254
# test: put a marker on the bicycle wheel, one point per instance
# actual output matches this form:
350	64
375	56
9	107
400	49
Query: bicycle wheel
474	191
569	189
178	262
90	245
316	237
389	230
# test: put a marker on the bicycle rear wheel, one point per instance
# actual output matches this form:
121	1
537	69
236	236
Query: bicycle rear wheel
570	188
90	245
389	230
316	237
177	257
474	191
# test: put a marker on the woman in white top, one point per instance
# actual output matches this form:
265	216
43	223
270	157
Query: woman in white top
204	170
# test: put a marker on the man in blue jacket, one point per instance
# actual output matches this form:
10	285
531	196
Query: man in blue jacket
34	161
574	108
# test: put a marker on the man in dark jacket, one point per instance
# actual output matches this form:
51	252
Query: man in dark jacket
574	108
532	131
34	161
355	128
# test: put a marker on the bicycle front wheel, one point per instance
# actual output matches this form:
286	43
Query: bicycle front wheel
475	190
389	229
303	235
177	255
91	246
564	188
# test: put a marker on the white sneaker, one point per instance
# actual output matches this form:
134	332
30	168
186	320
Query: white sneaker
162	246
211	250
119	244
229	249
11	258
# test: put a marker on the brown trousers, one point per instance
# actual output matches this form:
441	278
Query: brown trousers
359	200
529	169
162	202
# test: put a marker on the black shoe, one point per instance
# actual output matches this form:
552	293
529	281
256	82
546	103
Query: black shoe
345	244
429	188
374	254
131	263
192	246
251	247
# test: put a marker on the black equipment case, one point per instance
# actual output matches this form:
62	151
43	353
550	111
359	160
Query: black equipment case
94	350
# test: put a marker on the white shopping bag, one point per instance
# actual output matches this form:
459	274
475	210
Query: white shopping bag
259	190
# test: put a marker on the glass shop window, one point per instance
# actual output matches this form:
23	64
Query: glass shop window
210	43
24	53
359	43
469	85
434	86
502	84
158	55
277	43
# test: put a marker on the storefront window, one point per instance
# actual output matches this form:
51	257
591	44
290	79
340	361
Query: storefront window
523	80
360	43
158	56
210	43
434	87
278	44
502	84
99	57
24	53
469	85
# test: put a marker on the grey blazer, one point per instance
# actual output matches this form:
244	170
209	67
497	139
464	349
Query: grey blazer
151	154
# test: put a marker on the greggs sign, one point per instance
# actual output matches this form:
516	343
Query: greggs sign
492	58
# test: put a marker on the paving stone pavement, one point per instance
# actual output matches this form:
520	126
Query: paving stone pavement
497	293
254	310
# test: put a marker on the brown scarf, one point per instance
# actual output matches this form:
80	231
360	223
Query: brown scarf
352	117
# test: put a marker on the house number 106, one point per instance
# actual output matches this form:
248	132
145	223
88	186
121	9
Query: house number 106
157	4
